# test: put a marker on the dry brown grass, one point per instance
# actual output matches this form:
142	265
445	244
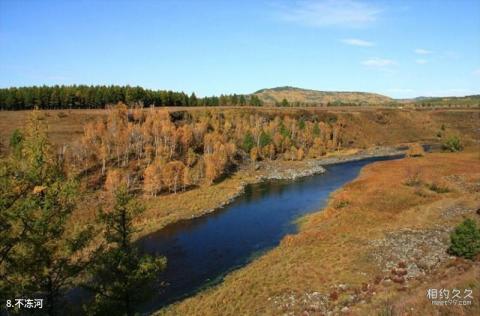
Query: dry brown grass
173	207
365	126
64	126
331	247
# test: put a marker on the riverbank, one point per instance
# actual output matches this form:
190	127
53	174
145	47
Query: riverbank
377	246
168	209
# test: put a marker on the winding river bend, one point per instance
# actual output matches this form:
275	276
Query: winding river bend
203	250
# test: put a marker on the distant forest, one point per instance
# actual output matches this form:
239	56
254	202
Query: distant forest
98	97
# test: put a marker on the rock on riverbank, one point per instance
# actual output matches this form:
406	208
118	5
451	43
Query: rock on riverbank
310	168
291	170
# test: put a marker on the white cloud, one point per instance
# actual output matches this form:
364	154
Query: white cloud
357	42
322	13
421	61
421	51
378	62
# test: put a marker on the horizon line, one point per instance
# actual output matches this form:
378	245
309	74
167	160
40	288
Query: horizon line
234	93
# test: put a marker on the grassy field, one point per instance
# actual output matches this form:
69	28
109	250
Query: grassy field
342	257
367	126
64	126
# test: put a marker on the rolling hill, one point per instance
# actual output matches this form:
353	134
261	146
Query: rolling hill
314	97
466	101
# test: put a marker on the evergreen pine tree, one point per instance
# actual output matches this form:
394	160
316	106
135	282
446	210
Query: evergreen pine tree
38	257
248	142
121	277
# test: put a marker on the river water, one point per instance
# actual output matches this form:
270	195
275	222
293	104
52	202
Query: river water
201	251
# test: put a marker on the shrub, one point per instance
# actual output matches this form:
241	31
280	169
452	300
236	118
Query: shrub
465	240
16	139
62	115
412	181
438	189
421	192
453	144
301	124
265	139
341	204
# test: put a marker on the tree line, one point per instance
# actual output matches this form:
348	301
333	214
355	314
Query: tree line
149	151
98	97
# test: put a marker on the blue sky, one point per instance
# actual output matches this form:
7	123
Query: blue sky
398	48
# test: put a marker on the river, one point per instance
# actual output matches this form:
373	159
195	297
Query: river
201	251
